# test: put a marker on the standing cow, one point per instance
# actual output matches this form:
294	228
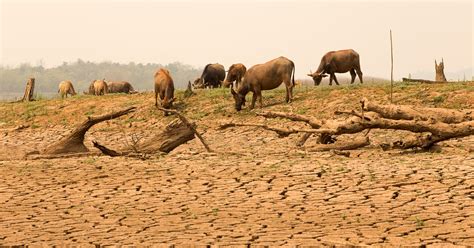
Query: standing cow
99	87
65	87
236	73
120	87
340	61
266	77
212	76
164	87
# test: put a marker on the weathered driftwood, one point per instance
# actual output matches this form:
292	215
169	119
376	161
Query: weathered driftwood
441	124
313	122
74	142
29	90
404	112
190	125
175	134
340	145
412	80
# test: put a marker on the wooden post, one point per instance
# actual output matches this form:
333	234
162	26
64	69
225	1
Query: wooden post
29	90
391	70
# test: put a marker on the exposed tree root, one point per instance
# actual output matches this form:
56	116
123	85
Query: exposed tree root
74	142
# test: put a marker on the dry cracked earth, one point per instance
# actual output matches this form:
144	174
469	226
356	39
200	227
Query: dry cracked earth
250	193
256	189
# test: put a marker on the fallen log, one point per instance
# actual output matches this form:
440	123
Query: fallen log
414	80
340	145
404	112
313	122
175	134
439	131
74	142
190	125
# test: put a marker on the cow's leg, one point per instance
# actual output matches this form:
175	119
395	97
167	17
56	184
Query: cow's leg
353	76
254	99
156	99
289	91
330	79
359	73
260	101
335	79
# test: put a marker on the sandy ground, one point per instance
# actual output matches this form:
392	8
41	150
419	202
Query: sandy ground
256	188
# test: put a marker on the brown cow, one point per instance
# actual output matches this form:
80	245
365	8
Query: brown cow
100	87
164	86
212	76
120	87
266	77
236	73
340	61
65	87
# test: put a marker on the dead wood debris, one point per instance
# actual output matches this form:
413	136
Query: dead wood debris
432	125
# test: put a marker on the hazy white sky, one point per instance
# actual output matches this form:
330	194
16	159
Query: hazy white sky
200	32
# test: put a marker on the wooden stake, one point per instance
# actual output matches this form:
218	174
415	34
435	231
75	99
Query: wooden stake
391	71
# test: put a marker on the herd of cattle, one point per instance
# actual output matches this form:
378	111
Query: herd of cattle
259	77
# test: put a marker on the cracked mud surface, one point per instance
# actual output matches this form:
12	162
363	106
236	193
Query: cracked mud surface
256	189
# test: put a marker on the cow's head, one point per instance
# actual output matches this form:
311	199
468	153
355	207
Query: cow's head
238	98
167	104
198	84
317	77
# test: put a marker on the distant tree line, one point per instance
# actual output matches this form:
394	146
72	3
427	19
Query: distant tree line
81	73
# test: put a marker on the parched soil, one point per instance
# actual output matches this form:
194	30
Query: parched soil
256	188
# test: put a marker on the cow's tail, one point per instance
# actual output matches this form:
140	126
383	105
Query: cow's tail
293	77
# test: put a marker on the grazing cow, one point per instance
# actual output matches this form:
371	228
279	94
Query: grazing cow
120	87
65	87
340	61
197	84
439	68
265	77
165	88
100	87
236	73
212	76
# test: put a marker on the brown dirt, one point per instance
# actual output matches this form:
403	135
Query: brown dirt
256	189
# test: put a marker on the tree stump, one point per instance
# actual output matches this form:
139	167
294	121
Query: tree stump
29	90
439	68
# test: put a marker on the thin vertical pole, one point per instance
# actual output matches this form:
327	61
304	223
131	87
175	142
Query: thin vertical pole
391	71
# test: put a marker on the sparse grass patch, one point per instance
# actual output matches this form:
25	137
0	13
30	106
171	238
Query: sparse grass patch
33	109
439	99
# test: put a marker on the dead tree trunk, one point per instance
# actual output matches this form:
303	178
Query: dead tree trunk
29	90
440	77
434	125
74	142
175	134
404	112
190	125
414	80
